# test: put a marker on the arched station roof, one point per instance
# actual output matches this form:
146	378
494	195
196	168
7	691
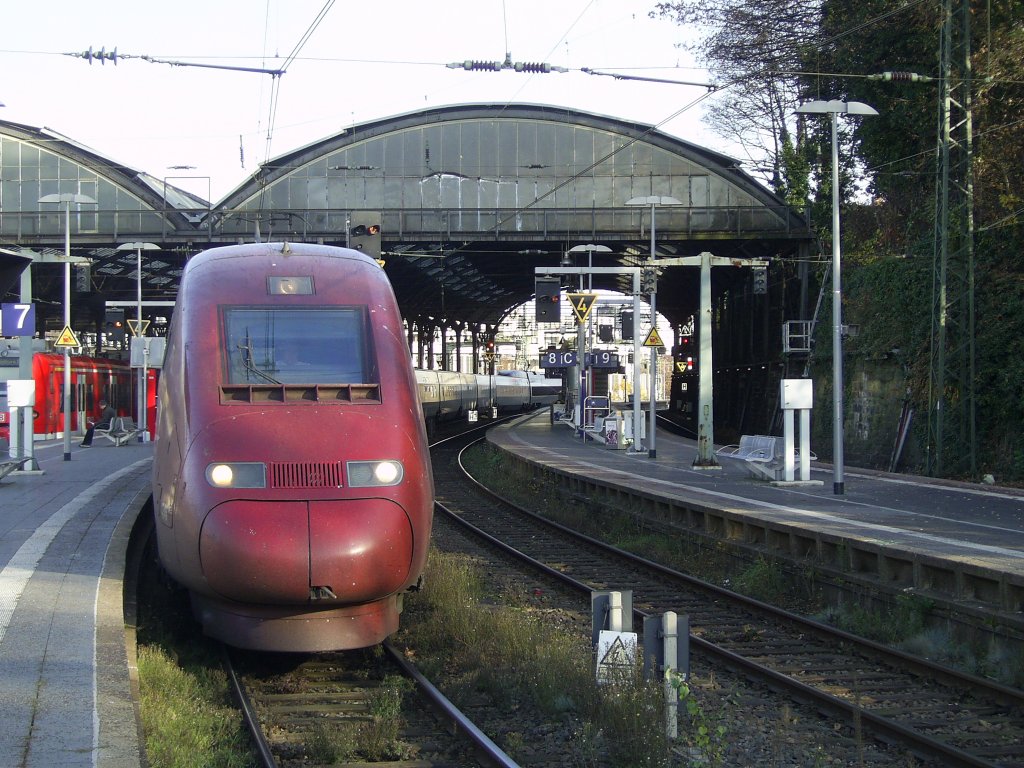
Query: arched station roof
471	199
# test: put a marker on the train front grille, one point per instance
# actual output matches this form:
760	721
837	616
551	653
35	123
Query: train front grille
306	474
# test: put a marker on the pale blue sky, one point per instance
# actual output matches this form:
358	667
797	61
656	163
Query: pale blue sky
364	61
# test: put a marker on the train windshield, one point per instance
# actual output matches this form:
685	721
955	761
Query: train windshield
313	345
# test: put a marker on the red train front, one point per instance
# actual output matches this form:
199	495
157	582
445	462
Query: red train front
291	483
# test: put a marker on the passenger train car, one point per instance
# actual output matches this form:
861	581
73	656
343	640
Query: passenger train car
92	379
292	488
446	395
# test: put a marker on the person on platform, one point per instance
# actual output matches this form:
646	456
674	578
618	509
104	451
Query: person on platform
107	415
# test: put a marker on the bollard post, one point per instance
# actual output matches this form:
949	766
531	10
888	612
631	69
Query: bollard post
601	612
667	654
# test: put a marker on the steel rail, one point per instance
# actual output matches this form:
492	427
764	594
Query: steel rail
884	727
249	715
487	751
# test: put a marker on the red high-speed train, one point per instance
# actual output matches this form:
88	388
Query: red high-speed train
292	488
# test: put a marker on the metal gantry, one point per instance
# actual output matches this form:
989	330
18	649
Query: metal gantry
951	398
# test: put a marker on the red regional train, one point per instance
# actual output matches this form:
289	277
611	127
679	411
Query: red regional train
92	379
292	488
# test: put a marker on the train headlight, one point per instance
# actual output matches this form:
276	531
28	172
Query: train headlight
239	474
368	474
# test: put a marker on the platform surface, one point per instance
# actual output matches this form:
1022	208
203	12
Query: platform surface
974	524
65	689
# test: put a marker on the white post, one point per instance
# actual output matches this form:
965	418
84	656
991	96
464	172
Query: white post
67	324
67	199
141	409
706	417
805	444
837	323
141	414
787	432
651	450
670	632
638	415
25	361
615	611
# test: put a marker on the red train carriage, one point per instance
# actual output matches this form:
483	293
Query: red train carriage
92	379
291	482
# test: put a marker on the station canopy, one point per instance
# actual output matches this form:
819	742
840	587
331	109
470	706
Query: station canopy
470	200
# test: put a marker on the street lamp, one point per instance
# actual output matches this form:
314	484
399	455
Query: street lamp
67	198
835	108
140	332
654	201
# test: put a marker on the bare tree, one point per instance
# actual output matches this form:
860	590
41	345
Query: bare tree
756	49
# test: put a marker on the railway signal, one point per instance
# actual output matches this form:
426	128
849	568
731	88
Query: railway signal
113	327
365	233
548	290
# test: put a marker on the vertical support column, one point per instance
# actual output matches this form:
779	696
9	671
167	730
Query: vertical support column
705	372
805	444
25	441
458	345
787	432
638	415
67	324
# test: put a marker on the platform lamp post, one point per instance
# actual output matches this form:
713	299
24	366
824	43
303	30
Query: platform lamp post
654	201
141	405
835	108
67	198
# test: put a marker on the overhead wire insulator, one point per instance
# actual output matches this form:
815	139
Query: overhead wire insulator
901	77
478	66
537	66
101	56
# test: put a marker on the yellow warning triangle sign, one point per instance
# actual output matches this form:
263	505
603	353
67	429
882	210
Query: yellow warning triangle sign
582	303
67	338
653	339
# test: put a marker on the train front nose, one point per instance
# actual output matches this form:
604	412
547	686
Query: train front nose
298	552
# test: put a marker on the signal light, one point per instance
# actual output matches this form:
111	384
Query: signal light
113	327
760	280
365	233
547	291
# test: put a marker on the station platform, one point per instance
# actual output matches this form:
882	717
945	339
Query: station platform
951	541
65	678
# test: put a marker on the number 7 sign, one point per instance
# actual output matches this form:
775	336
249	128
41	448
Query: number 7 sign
18	319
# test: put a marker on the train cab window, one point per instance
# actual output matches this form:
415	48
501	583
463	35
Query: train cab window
315	345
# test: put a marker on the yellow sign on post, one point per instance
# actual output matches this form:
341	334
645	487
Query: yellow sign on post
138	327
67	338
653	339
582	303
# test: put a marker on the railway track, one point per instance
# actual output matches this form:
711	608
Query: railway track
352	708
942	716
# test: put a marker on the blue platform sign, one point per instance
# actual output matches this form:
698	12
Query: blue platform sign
602	358
18	319
559	358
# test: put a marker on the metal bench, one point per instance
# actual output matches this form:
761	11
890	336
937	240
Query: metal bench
760	453
763	455
10	465
121	430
